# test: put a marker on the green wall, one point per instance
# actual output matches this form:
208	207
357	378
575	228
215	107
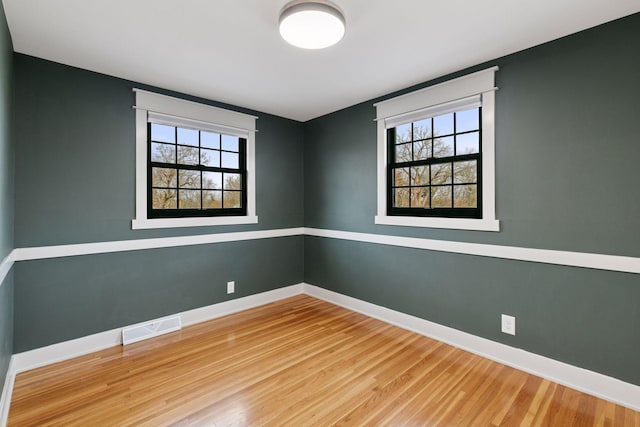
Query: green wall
6	197
75	183
566	149
65	298
75	159
567	179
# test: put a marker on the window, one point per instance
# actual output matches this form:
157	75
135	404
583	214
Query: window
195	164
195	173
436	156
433	166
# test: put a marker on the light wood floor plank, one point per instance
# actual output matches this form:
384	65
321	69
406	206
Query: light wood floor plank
297	362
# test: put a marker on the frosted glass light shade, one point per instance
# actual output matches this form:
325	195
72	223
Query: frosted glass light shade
311	24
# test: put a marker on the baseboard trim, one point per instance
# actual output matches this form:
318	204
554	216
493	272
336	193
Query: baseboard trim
7	391
589	382
59	352
586	381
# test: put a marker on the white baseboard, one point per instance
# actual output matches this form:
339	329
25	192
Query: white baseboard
7	391
589	382
69	349
59	352
209	312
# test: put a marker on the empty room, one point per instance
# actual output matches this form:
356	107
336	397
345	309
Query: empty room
314	213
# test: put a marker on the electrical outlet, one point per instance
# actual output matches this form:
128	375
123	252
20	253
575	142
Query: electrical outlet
508	324
231	287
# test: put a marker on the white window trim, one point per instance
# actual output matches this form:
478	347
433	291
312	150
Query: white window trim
230	122
407	108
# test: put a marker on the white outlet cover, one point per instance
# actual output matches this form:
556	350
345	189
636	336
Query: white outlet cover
231	287
508	324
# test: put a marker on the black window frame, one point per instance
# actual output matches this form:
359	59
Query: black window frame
202	212
437	212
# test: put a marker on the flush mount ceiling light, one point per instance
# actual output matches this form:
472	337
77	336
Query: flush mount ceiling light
311	24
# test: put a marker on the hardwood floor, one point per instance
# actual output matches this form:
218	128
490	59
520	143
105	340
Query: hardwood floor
297	362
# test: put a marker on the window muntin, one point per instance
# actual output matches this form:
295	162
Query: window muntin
434	165
194	172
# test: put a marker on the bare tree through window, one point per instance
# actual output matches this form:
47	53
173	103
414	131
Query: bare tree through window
190	176
436	162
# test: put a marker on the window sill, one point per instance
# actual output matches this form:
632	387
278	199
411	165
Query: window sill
450	223
146	224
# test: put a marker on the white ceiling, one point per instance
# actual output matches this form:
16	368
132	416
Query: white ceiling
230	50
